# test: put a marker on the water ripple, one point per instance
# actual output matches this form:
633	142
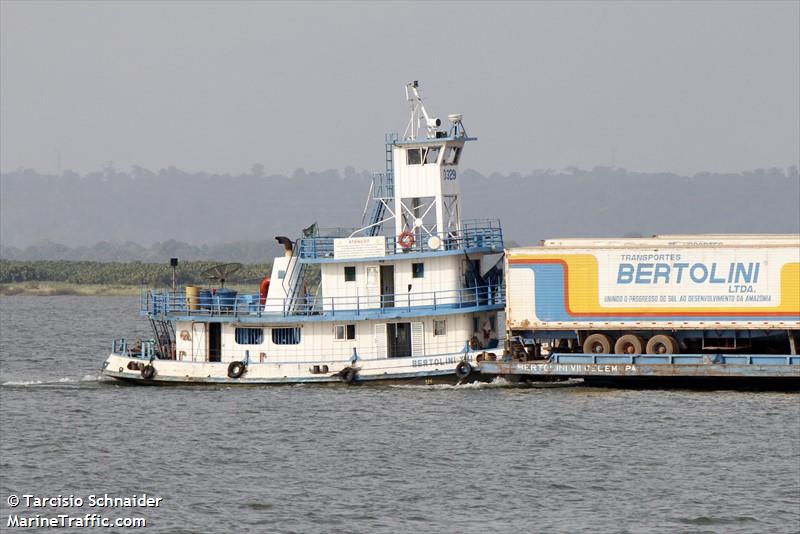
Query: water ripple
471	458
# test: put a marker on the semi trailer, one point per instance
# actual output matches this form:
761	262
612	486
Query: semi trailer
666	294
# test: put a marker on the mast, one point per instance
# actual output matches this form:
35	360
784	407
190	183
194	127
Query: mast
426	177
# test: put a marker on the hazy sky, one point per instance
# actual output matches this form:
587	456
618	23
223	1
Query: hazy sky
679	86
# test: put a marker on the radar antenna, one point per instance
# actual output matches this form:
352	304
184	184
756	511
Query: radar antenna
221	272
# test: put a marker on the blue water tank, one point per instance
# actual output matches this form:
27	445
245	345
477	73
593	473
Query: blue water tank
205	299
226	298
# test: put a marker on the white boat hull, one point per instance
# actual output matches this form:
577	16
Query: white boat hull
424	370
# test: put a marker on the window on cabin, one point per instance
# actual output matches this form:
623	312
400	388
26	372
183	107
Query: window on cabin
342	332
281	274
418	270
350	274
451	155
414	156
286	336
430	155
249	336
439	327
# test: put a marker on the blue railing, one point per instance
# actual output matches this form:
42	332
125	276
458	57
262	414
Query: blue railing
143	348
485	233
168	303
382	185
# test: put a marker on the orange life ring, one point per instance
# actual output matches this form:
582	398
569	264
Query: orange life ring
263	289
406	239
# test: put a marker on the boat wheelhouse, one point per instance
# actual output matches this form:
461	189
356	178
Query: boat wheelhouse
413	293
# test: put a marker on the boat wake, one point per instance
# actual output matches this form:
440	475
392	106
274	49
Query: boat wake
53	381
498	382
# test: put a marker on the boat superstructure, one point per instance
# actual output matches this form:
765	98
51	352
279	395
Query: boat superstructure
413	293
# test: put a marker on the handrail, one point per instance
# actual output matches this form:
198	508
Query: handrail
485	233
143	348
168	303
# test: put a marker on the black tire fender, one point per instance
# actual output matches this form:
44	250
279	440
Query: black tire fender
148	372
348	375
463	369
236	369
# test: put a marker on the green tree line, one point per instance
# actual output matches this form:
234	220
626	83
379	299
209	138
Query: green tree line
117	273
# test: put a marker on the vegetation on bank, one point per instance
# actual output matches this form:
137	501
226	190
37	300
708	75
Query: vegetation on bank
29	276
50	289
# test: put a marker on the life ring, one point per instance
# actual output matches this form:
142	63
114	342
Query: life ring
463	369
148	372
474	343
263	289
348	375
236	369
406	239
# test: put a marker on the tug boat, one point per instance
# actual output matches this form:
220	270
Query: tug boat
414	293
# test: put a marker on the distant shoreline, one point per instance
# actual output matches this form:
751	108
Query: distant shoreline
53	289
58	289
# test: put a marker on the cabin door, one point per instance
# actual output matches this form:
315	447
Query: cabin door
387	286
199	348
214	342
398	340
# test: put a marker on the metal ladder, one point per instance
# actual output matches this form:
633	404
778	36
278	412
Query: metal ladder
293	281
386	192
164	333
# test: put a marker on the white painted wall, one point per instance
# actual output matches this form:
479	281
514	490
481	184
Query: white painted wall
442	275
318	343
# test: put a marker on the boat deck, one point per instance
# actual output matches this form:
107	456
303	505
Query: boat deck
643	367
175	305
477	236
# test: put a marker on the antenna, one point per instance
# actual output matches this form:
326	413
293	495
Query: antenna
420	120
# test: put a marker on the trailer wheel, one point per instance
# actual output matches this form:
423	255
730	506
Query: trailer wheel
629	344
662	344
597	344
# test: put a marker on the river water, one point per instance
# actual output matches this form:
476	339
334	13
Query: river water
381	458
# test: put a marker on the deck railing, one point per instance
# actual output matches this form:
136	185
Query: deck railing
485	233
177	303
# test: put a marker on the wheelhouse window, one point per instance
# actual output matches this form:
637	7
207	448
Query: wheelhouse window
418	270
439	327
414	156
286	336
430	155
350	274
343	332
451	155
249	336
